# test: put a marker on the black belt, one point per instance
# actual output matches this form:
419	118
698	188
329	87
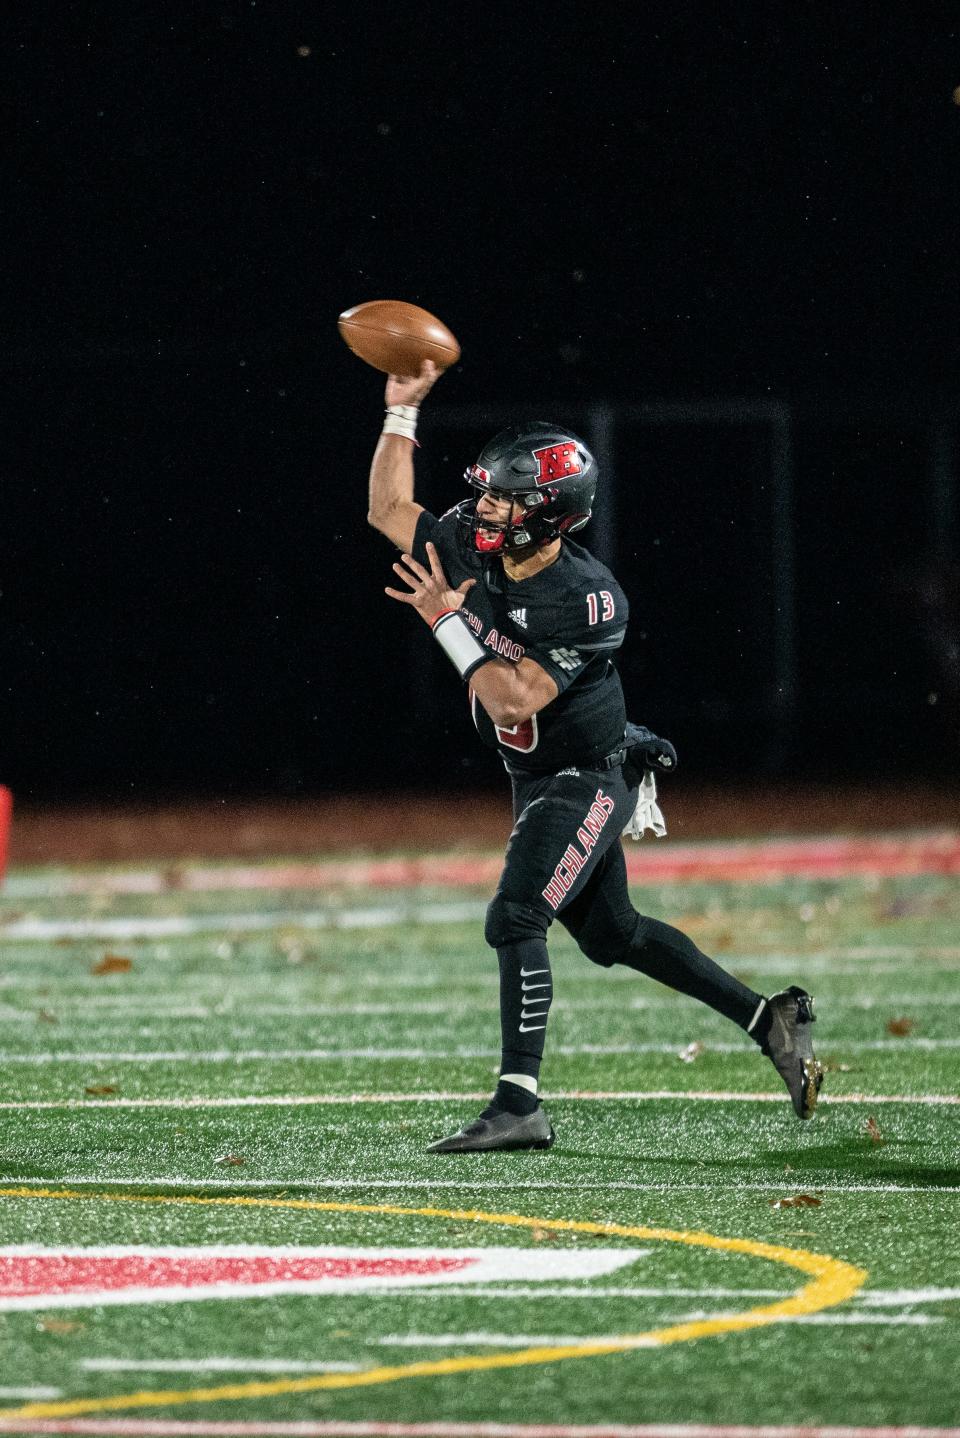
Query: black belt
612	761
609	761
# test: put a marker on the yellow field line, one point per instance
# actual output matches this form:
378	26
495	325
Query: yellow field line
833	1281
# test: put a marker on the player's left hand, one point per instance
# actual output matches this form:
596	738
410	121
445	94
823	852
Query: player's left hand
430	590
647	751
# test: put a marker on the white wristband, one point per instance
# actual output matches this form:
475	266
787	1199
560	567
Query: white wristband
401	419
458	644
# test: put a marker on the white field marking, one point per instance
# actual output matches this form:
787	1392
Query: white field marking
338	1428
214	1365
561	1340
883	1320
201	983
803	966
877	1298
903	1297
471	1096
501	1340
418	1185
30	928
117	1010
513	1290
489	1263
560	1290
173	926
18	1392
386	1055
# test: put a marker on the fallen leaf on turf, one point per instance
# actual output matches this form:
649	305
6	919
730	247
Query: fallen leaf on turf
691	1052
899	1027
873	1131
829	1067
100	1088
111	964
44	1016
59	1325
543	1235
234	1159
799	1200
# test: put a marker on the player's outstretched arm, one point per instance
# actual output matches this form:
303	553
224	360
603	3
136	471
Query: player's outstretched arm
510	693
392	509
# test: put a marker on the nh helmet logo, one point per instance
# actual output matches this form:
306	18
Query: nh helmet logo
556	461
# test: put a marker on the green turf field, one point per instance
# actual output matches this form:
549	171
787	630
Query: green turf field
297	1051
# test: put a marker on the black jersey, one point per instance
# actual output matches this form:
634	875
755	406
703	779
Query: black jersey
570	618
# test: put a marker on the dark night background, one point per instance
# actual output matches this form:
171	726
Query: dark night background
616	206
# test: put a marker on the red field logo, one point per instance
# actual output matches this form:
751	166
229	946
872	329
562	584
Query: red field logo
37	1278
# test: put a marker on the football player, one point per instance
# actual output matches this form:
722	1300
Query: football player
532	621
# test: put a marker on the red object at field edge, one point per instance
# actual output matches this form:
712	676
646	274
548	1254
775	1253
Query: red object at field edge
6	812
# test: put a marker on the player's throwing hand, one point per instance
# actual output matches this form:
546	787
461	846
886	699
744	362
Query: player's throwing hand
412	389
430	591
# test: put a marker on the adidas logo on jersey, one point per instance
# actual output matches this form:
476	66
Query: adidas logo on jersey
519	617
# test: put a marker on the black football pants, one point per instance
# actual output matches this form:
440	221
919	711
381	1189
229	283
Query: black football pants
565	861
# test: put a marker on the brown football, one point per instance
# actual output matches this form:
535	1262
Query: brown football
396	337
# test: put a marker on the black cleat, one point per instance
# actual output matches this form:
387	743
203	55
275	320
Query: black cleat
500	1132
789	1047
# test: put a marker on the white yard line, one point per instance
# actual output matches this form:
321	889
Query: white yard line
877	1298
501	1340
281	1185
173	926
381	1054
117	1009
873	1298
66	964
466	1096
209	979
903	1297
214	1365
560	1340
566	1290
31	928
18	1391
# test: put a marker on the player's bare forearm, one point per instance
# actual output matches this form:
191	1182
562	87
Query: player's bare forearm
513	693
392	509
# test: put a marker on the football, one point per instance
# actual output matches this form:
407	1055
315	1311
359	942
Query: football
396	337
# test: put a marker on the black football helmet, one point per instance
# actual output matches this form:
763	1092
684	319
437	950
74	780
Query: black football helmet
547	469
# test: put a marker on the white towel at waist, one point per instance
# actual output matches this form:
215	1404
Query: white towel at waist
647	814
